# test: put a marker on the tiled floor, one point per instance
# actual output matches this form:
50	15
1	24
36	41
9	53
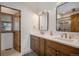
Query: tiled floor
11	52
30	54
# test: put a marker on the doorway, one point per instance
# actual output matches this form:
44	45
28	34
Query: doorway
10	31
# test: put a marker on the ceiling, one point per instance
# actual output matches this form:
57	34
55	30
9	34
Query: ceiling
33	6
40	6
67	8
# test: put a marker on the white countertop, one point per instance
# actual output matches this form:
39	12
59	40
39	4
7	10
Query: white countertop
69	42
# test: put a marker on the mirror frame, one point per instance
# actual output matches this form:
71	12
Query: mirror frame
56	15
47	22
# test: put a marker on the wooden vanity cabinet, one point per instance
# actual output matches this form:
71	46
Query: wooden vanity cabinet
50	51
69	50
53	48
42	46
60	49
45	47
35	44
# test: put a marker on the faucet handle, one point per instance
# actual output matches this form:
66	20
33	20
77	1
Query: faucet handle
70	37
65	35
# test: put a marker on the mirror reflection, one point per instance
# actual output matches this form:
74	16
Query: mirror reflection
68	17
43	21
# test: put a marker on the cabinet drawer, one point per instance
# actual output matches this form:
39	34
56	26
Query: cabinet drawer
53	44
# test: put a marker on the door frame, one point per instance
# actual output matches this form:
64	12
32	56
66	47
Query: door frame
19	25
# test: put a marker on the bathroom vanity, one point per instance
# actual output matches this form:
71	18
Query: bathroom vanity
51	46
67	20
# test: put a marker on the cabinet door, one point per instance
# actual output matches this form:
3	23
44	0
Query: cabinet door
35	44
50	51
70	51
32	43
42	46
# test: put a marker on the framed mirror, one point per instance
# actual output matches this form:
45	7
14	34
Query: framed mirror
67	17
43	21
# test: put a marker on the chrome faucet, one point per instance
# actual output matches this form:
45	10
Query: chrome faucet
64	35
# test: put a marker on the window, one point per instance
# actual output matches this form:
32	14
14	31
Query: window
7	26
6	22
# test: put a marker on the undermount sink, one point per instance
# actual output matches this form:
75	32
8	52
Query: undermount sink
58	37
74	40
66	39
